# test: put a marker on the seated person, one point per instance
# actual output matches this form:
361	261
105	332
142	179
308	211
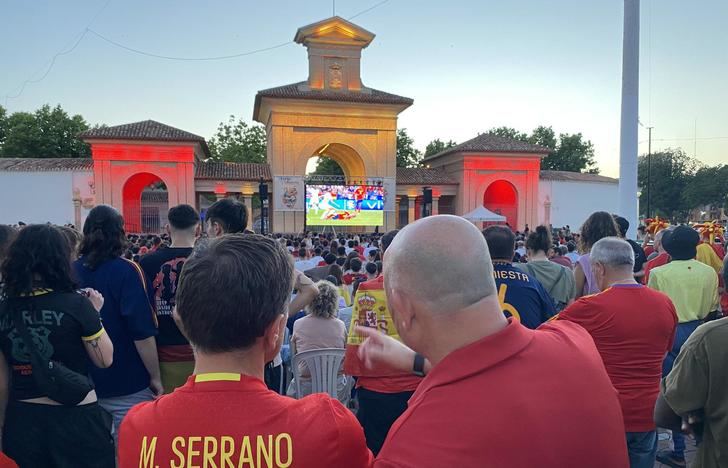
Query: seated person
317	330
231	305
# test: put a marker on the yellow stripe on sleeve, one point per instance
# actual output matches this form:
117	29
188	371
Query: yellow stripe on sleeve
94	336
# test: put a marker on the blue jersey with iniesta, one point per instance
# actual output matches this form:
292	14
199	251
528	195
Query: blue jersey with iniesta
522	296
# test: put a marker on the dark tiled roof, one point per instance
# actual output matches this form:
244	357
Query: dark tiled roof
155	196
488	143
145	130
232	171
577	177
423	176
292	91
46	164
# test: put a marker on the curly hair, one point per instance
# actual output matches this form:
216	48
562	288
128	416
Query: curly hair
7	234
326	303
39	257
598	225
103	236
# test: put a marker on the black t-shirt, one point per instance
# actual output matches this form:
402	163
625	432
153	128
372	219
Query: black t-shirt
639	255
58	323
162	269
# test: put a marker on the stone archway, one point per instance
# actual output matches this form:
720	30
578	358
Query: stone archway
142	216
345	156
501	197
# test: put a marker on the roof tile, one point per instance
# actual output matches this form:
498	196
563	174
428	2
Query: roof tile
489	143
46	164
423	176
148	130
294	91
232	171
576	177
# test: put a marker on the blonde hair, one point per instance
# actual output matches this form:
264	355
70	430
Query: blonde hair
326	303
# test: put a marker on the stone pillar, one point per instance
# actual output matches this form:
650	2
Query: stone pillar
397	201
435	206
77	209
411	211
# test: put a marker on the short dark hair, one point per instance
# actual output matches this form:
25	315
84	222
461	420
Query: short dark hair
230	214
317	251
40	256
371	268
330	258
388	238
341	250
301	253
232	289
501	242
571	245
622	224
355	265
182	217
539	240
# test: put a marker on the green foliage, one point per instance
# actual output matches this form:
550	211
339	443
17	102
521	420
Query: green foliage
327	166
237	141
46	133
407	154
571	153
709	186
436	145
672	170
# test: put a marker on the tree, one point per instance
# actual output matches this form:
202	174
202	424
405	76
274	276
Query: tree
671	171
327	166
407	154
237	141
508	132
46	133
573	154
436	146
709	186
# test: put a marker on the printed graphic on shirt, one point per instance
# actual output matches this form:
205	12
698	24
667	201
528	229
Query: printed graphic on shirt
38	330
165	285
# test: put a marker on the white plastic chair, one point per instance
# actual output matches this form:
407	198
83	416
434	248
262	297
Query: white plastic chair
324	365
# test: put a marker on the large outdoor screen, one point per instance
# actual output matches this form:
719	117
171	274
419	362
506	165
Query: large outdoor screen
344	205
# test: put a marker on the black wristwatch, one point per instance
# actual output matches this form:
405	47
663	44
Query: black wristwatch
418	368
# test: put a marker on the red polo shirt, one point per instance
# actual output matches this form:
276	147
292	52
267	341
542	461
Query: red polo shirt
633	327
232	420
519	398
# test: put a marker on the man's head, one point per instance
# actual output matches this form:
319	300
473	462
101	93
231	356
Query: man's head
432	280
330	258
681	243
371	269
571	246
387	239
183	220
226	216
355	265
622	224
233	295
612	259
501	242
302	254
341	251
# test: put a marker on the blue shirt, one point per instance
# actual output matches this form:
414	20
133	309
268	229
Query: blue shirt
522	296
127	317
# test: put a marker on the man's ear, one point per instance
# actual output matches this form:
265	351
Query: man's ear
273	336
402	310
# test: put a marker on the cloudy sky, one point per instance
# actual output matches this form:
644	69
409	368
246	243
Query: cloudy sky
469	65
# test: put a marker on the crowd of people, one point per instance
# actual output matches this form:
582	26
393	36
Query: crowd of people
461	347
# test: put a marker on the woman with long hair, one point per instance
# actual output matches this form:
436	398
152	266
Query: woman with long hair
557	280
43	319
127	314
598	225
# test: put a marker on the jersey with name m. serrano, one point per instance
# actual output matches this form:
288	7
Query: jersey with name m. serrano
233	420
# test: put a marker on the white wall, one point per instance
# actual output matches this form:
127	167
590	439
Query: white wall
40	197
572	202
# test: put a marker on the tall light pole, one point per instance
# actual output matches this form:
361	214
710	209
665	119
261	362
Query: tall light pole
628	206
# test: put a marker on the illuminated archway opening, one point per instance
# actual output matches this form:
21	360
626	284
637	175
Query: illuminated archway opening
501	197
145	203
350	164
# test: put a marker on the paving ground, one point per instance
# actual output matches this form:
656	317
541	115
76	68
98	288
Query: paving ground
665	442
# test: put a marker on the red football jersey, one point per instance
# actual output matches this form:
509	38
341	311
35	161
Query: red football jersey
234	420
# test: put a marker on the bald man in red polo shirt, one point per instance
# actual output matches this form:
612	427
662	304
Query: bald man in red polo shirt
497	393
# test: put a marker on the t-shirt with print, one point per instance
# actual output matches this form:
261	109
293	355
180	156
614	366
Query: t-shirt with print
162	270
633	328
58	323
226	420
127	317
521	296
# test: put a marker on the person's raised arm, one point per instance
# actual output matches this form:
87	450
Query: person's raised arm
379	350
307	292
580	280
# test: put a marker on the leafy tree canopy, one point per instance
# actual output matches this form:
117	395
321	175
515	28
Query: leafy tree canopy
437	145
407	154
237	141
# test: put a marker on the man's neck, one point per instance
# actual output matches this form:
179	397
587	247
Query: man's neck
180	240
249	362
620	279
482	319
538	256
